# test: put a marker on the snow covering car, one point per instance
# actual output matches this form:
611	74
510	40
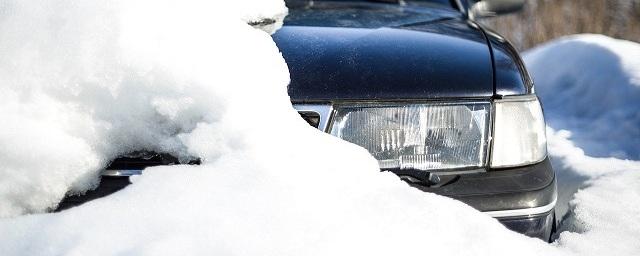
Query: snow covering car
437	98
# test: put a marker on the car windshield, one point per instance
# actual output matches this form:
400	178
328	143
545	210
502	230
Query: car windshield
365	14
439	2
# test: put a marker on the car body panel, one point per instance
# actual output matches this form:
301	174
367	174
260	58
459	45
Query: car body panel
511	76
442	57
532	186
384	52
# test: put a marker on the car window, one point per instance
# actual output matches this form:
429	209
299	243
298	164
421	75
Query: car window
364	14
447	3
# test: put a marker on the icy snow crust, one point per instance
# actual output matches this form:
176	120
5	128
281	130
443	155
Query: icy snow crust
84	82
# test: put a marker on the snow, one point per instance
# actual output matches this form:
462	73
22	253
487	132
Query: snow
598	198
590	90
591	84
82	82
608	210
85	82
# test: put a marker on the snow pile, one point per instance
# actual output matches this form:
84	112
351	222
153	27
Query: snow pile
603	219
607	211
84	82
590	84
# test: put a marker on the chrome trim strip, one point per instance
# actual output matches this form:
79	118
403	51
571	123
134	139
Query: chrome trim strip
121	173
325	111
518	98
456	171
523	212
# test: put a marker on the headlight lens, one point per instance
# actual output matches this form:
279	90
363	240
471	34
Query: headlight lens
432	136
519	132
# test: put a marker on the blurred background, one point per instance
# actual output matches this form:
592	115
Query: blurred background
544	20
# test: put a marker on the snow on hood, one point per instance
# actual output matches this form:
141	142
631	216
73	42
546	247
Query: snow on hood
82	82
590	84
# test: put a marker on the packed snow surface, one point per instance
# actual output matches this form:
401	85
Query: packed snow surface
83	82
603	194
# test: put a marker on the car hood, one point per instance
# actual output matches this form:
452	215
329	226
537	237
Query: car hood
441	56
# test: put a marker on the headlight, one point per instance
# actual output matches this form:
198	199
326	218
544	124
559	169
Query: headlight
431	136
519	132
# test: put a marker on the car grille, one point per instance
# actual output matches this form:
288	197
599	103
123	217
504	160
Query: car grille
311	117
141	160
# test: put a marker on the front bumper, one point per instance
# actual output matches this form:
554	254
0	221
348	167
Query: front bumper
521	198
540	226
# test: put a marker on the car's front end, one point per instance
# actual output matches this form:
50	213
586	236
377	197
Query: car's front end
488	153
436	98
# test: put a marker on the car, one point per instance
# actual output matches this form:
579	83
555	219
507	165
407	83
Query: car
436	97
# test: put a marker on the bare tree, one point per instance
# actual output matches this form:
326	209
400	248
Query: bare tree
543	20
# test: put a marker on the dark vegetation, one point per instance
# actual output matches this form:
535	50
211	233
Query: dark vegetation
544	20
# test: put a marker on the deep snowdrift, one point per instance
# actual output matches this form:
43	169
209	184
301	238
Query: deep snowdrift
83	82
590	84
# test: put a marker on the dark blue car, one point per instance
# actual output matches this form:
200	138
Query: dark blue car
437	98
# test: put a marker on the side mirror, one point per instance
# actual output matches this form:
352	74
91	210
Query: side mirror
490	8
